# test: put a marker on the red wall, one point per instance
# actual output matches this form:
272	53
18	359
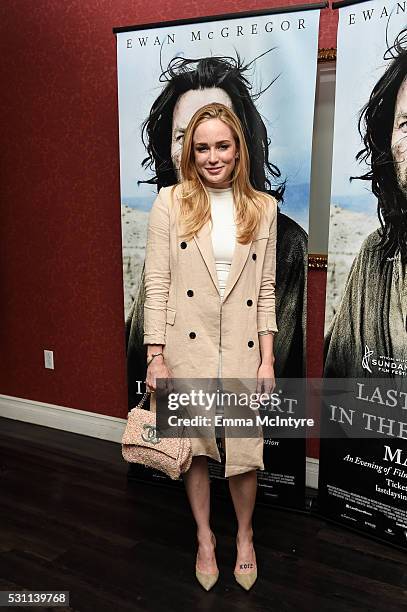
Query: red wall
60	233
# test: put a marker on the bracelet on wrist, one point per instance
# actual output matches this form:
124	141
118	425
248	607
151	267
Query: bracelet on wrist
152	356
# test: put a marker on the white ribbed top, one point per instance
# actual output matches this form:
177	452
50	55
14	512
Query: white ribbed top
223	232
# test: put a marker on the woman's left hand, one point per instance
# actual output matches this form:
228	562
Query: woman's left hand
266	381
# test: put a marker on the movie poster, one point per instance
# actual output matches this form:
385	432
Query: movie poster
264	67
362	480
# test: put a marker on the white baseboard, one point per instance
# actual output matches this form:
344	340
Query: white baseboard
58	417
89	424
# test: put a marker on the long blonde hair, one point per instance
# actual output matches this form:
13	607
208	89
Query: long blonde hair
195	208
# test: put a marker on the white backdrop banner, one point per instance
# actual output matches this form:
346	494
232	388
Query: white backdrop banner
264	67
362	482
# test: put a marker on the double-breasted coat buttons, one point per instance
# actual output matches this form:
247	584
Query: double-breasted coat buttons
190	293
249	302
250	344
183	245
192	335
254	256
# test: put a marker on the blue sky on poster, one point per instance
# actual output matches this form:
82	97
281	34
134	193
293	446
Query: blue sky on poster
287	107
355	79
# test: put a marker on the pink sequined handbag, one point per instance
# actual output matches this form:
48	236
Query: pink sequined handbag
141	444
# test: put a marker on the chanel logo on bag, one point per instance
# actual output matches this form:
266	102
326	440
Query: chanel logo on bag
151	435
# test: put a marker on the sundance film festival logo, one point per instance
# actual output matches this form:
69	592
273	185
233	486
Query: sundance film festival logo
383	364
366	359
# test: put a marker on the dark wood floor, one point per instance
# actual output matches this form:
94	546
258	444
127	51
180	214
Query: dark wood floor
70	521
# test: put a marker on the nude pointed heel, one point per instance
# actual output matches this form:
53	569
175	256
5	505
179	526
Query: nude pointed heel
246	580
207	581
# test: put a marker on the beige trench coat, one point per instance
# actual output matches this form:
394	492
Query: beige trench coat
183	310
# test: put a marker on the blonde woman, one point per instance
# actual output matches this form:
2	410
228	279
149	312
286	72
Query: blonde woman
210	307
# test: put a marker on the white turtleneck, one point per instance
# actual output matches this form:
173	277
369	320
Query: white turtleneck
223	232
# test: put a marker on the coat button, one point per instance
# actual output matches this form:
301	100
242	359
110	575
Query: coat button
183	245
249	302
192	335
254	256
190	293
250	344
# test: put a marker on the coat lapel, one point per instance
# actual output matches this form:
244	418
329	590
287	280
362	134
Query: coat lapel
203	240
240	255
239	259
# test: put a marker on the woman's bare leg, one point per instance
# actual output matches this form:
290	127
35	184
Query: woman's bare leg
197	487
243	489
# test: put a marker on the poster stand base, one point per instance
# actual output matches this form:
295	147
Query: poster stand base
317	513
139	474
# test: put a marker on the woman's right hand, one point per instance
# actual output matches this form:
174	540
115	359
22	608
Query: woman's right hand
156	369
